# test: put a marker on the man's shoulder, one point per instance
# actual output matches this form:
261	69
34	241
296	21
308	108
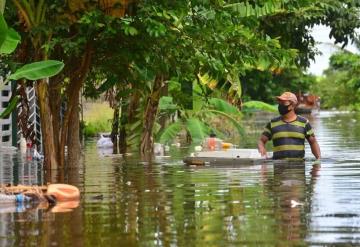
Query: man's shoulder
302	119
275	119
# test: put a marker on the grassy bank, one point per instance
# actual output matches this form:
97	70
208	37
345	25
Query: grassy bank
97	118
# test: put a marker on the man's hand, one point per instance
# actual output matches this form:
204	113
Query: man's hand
261	146
315	148
263	152
317	162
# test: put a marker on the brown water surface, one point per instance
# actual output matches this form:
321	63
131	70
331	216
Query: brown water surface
126	202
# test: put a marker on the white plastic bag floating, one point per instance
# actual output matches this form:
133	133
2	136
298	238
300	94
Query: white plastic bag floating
159	149
37	155
104	142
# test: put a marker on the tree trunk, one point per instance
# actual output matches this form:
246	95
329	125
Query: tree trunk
122	140
73	143
66	124
124	119
72	91
55	107
115	130
163	119
151	109
42	91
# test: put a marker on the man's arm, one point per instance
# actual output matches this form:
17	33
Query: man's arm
315	148
261	145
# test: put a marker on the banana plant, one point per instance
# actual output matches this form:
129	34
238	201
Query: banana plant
196	122
9	39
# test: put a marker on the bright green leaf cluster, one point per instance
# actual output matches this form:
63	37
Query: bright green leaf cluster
9	39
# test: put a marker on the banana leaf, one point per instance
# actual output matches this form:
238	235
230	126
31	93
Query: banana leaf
3	29
198	131
38	70
235	122
2	6
10	107
170	132
223	106
258	105
11	41
207	80
166	103
234	80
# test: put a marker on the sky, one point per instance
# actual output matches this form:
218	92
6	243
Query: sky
321	35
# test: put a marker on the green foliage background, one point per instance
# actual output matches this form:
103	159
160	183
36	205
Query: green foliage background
340	86
192	51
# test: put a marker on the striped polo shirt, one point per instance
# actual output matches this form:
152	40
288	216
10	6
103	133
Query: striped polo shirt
288	137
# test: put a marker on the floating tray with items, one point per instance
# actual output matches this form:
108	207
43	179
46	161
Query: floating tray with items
227	157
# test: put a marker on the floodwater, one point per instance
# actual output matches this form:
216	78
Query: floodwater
126	202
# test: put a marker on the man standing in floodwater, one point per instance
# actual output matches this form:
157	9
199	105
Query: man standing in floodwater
288	132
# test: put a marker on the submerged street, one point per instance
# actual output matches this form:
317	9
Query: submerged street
126	202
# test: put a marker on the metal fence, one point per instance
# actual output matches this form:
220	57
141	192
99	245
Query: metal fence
34	117
6	123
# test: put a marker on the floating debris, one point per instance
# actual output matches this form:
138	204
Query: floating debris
295	203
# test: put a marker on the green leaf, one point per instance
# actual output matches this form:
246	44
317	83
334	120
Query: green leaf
223	106
132	31
245	9
10	43
170	132
174	86
135	125
109	83
166	103
259	105
38	70
235	122
10	107
134	139
156	128
129	30
207	80
3	29
235	88
2	6
198	131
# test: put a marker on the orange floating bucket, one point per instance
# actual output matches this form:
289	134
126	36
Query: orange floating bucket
63	192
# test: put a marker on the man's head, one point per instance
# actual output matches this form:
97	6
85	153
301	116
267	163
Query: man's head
287	102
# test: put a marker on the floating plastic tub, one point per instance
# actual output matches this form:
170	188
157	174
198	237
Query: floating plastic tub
225	157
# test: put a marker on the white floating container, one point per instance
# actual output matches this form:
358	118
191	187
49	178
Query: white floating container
225	157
